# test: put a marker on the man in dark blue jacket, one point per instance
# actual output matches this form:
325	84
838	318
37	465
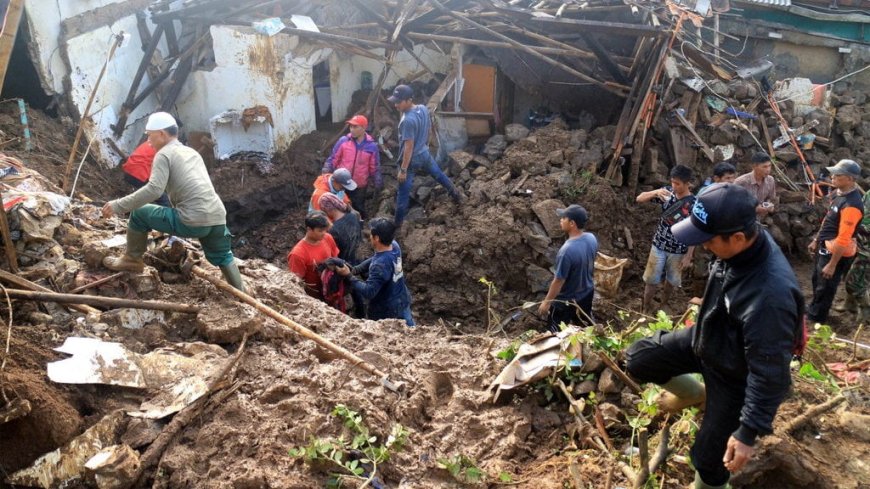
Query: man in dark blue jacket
742	343
385	288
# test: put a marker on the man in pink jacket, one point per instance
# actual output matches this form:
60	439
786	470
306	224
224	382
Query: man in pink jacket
359	154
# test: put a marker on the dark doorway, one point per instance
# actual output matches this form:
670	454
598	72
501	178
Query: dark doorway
22	80
322	95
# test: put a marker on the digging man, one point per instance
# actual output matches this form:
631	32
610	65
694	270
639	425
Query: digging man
743	339
198	213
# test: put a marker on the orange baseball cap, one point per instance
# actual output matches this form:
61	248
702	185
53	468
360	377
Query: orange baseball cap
358	120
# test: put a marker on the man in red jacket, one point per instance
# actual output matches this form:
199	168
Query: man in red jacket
357	152
137	169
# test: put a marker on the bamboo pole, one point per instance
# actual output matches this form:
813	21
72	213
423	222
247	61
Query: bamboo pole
27	284
497	44
94	300
298	328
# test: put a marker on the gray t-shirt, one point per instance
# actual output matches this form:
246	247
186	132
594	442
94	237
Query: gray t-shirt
575	264
180	172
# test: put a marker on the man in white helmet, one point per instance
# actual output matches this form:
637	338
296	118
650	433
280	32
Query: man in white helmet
197	213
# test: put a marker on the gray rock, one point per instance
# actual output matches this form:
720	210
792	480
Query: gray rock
228	324
515	132
546	212
578	138
848	116
585	387
609	383
495	147
538	278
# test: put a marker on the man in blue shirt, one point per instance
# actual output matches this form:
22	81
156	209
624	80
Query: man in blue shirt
385	288
569	299
415	156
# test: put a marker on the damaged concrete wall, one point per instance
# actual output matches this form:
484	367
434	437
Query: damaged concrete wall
86	53
345	73
254	69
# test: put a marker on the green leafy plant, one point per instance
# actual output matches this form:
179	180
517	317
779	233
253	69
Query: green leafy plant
353	456
578	187
465	470
509	352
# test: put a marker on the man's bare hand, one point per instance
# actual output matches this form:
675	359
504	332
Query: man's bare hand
344	270
544	308
403	175
108	211
737	454
828	271
812	247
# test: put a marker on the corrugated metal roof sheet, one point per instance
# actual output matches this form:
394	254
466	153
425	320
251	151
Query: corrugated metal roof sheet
778	3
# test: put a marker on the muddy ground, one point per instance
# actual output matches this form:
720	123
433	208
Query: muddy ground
285	387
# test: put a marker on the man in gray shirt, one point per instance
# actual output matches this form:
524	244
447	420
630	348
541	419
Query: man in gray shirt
198	213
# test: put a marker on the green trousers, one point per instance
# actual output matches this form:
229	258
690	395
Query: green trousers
858	279
215	240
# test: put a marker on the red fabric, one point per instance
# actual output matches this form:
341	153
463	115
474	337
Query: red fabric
138	165
303	259
321	186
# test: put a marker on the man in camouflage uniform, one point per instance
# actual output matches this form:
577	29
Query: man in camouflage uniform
858	279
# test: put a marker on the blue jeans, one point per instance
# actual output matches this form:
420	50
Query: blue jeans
661	263
425	163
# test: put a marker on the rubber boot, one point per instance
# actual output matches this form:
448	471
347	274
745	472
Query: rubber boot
233	276
849	305
131	261
700	484
682	391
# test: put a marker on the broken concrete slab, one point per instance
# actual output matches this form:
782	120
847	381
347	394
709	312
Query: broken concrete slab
114	467
228	324
515	132
546	212
66	465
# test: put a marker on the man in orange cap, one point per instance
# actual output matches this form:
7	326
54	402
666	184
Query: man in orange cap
358	153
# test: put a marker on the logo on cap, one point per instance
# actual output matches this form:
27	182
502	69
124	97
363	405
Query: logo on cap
699	211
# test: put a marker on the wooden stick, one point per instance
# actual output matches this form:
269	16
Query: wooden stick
663	450
602	430
643	448
614	88
495	44
93	300
813	412
619	373
298	328
608	481
86	114
27	284
7	238
152	456
96	283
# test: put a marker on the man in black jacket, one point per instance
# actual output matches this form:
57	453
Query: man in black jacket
743	339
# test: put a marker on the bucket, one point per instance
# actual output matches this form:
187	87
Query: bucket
608	273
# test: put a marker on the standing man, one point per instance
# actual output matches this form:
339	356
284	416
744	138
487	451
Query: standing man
137	169
760	184
385	288
742	342
835	246
723	172
858	278
668	257
572	288
358	153
331	183
414	153
314	248
198	213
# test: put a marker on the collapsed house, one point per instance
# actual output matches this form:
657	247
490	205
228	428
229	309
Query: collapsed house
533	101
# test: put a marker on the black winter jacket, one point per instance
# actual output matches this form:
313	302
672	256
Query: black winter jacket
752	311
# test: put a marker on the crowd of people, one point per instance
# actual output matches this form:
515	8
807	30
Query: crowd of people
746	331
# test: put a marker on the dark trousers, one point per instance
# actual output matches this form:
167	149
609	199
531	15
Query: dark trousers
665	355
137	184
358	201
568	312
420	163
824	289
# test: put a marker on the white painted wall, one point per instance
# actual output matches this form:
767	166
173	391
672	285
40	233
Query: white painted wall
345	72
253	69
87	53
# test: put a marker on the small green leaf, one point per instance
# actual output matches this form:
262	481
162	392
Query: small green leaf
505	477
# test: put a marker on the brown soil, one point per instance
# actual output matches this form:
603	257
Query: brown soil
285	387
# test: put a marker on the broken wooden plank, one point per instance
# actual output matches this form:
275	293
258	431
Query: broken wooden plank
618	90
7	237
99	17
439	94
604	57
496	44
705	148
93	300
